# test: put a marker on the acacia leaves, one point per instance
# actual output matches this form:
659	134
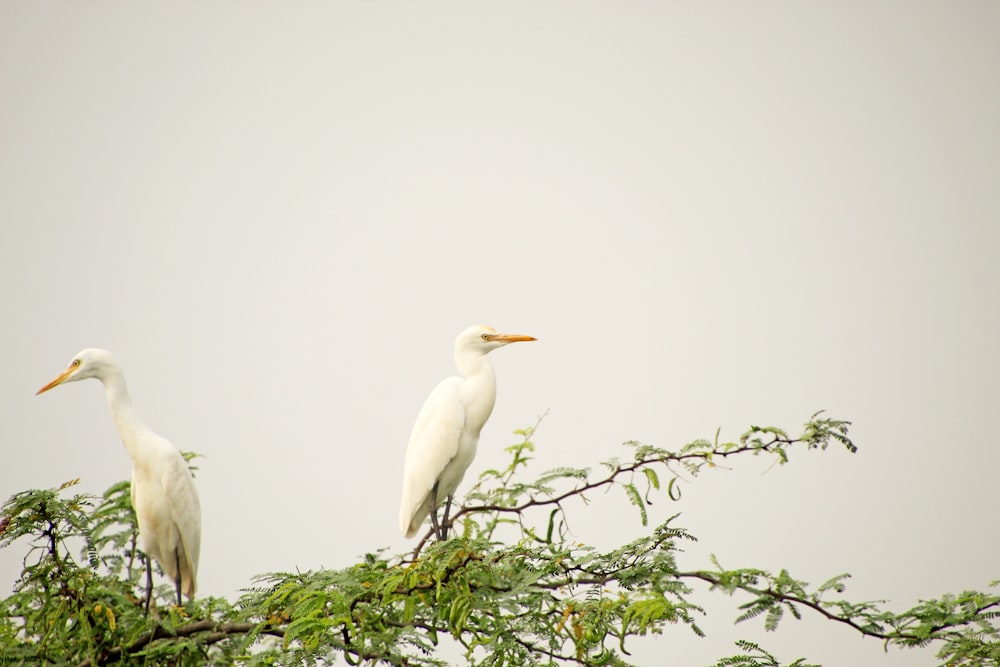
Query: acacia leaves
516	587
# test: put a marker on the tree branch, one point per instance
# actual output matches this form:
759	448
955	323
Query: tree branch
219	632
617	472
846	620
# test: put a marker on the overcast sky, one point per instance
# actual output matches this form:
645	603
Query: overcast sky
279	215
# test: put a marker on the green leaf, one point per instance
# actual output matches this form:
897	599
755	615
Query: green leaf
636	499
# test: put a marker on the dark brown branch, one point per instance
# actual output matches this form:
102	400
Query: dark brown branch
219	632
551	654
782	597
776	441
613	476
846	620
50	532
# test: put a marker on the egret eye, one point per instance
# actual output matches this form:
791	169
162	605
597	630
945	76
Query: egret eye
485	336
76	362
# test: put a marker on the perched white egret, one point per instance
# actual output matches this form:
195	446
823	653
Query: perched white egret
163	494
444	437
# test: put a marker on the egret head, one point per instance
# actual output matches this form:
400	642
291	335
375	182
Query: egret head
89	363
484	339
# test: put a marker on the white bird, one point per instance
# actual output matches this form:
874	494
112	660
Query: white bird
163	493
444	437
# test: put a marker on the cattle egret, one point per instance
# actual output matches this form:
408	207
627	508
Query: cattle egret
163	494
444	437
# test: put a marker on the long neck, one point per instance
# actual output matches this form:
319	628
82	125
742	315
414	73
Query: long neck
479	391
126	418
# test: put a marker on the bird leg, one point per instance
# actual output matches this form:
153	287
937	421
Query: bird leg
434	512
149	583
445	522
440	527
177	559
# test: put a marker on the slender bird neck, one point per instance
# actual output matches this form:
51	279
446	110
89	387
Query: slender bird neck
127	420
474	365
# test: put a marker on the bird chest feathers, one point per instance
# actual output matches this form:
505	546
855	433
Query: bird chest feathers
478	395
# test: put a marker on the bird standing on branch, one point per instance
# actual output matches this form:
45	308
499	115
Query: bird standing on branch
163	493
444	437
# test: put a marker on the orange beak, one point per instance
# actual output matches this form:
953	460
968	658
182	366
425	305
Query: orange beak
510	338
58	381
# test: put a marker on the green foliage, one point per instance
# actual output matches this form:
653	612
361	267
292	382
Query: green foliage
754	656
512	589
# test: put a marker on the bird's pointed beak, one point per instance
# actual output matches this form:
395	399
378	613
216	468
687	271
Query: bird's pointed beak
58	381
510	338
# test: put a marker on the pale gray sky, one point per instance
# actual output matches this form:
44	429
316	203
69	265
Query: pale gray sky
279	215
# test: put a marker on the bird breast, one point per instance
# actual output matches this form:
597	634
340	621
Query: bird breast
478	395
477	400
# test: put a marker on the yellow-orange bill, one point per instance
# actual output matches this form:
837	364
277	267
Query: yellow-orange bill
511	338
58	381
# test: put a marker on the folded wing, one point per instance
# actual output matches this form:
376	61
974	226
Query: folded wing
433	444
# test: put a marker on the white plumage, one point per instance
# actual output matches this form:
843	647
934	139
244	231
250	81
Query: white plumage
444	437
163	492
